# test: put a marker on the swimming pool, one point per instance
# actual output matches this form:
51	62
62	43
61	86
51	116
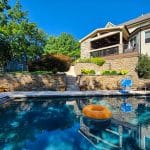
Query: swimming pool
58	124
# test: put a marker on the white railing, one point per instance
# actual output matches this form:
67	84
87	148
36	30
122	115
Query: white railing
103	48
113	50
129	48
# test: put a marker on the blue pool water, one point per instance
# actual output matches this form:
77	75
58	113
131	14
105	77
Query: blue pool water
58	124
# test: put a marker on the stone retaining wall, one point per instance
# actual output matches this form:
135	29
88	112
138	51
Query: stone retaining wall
79	66
30	82
144	84
112	82
127	61
99	82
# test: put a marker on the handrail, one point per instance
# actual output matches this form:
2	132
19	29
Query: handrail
103	48
130	48
126	48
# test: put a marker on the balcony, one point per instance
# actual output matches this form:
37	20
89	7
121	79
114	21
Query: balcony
114	50
112	44
105	42
102	52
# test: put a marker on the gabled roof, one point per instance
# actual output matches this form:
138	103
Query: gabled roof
109	24
136	20
105	29
143	27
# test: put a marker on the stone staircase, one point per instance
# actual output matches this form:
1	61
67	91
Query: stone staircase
71	80
72	84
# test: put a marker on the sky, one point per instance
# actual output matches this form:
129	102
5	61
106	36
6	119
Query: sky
80	17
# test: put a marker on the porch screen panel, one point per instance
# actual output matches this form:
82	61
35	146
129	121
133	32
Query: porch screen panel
105	52
106	41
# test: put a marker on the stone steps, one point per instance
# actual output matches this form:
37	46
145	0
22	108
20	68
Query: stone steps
72	80
72	84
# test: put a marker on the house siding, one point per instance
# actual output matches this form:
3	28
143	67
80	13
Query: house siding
145	47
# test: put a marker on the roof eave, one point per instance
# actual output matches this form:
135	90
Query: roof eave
103	29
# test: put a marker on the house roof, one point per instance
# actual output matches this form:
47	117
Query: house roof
124	26
143	27
105	29
109	25
136	20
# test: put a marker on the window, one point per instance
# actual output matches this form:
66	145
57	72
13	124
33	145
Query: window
147	37
133	42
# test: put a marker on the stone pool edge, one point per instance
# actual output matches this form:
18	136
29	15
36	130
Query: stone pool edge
33	94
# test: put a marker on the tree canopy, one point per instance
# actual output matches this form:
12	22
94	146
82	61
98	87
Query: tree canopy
20	36
64	44
4	7
23	36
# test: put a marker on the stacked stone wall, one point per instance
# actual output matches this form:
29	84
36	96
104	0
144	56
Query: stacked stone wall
119	62
30	82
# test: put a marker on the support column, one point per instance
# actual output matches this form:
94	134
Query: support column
121	43
98	34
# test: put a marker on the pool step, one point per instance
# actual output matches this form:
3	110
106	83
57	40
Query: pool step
74	104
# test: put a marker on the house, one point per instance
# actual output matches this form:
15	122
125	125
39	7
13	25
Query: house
128	37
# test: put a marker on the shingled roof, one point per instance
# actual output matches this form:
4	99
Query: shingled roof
138	19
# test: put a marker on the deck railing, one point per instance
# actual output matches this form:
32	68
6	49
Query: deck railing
128	48
114	50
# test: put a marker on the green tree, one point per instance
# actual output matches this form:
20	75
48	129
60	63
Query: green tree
5	53
143	67
64	44
22	35
3	9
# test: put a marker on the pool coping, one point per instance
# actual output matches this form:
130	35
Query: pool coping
25	94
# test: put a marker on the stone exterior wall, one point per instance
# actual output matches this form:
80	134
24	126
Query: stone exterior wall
30	82
85	47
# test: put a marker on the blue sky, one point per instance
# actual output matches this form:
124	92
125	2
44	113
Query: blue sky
79	17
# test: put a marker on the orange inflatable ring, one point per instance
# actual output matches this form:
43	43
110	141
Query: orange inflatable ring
96	112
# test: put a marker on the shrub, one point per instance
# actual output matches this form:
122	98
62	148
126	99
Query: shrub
96	60
109	72
83	60
143	67
53	63
114	72
123	72
88	72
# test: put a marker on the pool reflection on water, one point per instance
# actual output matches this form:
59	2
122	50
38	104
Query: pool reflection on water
58	123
